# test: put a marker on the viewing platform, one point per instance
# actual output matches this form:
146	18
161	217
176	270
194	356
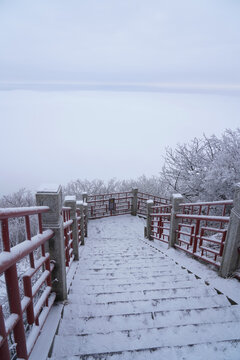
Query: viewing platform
129	300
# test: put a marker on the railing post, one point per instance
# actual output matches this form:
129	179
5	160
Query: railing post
149	219
84	197
177	199
134	201
70	201
80	206
85	212
52	196
231	259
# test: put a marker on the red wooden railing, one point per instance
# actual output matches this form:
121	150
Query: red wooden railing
100	205
142	202
29	300
112	204
202	229
160	222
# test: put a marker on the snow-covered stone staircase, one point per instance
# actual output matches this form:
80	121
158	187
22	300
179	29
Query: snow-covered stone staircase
129	301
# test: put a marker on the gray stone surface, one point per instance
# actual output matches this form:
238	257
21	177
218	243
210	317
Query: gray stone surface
134	202
80	206
231	259
85	211
150	204
177	199
53	220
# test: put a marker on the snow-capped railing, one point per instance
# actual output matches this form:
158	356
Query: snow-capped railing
68	236
206	230
112	204
29	293
29	266
128	202
142	202
202	229
160	222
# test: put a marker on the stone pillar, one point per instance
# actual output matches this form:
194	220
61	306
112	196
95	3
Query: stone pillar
84	197
70	201
177	199
51	195
149	219
80	206
134	202
85	211
231	259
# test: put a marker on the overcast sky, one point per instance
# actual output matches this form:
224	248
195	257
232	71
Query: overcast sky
57	136
126	40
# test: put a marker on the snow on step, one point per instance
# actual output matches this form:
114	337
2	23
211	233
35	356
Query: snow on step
130	279
132	307
226	350
146	338
129	301
134	286
86	325
140	295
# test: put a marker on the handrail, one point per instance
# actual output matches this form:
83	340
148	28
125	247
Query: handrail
8	213
35	295
224	202
204	217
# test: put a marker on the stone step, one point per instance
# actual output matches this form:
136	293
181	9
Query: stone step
226	350
125	267
135	286
126	280
131	307
114	262
140	295
86	325
167	269
146	338
104	275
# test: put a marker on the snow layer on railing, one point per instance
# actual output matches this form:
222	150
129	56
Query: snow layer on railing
70	198
48	188
204	217
149	201
21	211
22	249
224	202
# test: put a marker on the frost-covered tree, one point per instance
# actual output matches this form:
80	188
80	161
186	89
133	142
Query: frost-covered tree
224	171
20	198
206	168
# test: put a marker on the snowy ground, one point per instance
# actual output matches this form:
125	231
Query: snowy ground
132	299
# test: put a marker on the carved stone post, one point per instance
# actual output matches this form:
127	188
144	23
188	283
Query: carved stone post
134	202
51	195
85	211
149	218
231	259
177	199
80	206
